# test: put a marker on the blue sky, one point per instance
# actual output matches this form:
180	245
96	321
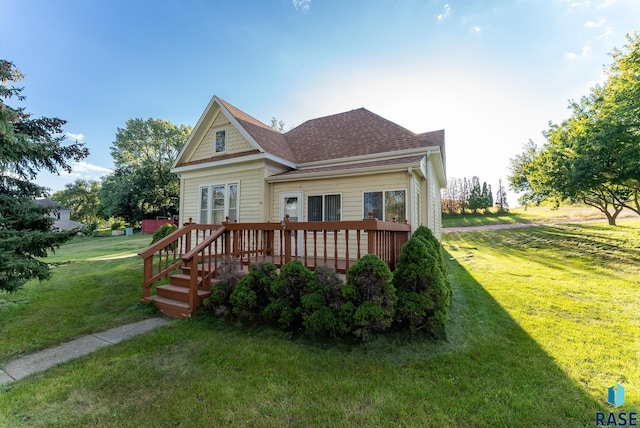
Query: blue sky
490	73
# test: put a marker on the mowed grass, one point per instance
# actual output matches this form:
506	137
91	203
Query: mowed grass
544	320
96	285
533	215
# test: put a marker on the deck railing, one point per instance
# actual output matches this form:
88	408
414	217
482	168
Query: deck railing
204	248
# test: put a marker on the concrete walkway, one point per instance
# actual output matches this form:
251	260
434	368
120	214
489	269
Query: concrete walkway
84	345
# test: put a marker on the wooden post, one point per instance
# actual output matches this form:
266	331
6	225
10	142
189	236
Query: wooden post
188	236
371	236
148	273
287	240
193	284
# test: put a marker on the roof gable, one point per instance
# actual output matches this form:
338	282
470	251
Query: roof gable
353	134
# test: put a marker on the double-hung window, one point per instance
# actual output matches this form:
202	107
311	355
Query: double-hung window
386	204
324	208
217	202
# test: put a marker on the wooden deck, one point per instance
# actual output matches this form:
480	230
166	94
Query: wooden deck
198	251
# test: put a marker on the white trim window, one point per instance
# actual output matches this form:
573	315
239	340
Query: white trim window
386	204
324	207
221	140
218	201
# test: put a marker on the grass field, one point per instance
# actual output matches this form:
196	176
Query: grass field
534	215
544	320
97	285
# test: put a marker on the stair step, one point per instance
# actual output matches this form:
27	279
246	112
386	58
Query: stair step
171	307
180	293
182	279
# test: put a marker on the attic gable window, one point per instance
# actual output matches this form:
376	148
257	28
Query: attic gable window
221	141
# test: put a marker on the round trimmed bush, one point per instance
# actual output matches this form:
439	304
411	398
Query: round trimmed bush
371	294
284	308
250	296
423	290
321	304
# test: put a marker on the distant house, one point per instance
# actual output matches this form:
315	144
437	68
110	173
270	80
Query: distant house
334	168
62	215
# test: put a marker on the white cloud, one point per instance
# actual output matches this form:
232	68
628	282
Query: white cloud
574	4
303	5
477	28
586	49
445	12
607	32
591	24
90	168
77	137
605	4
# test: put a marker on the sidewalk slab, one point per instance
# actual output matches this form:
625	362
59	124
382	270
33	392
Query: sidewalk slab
123	332
48	358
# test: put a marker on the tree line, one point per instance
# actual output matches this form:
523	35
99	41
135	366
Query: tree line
593	157
141	185
462	195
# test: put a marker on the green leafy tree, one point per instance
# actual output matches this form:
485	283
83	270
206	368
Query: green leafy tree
81	197
27	145
593	156
142	184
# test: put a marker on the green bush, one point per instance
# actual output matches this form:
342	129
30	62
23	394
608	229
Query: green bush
163	231
371	294
116	225
321	305
228	276
250	296
285	306
90	229
422	286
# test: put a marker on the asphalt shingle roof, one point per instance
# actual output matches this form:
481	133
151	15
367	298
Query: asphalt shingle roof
354	133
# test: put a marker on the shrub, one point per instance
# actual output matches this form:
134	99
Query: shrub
284	308
163	231
425	233
320	306
116	225
90	229
371	294
228	276
249	298
423	289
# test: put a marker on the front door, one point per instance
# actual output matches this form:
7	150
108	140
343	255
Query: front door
291	204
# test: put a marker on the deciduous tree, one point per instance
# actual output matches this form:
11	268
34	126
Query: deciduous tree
81	197
142	183
593	156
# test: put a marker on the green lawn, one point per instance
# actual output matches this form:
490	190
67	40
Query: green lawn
544	320
534	215
97	285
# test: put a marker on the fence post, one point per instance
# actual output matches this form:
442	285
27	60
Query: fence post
371	234
287	239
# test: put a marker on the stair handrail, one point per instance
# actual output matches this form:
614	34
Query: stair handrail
157	248
191	258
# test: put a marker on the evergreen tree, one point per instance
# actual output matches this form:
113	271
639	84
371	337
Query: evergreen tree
475	196
486	196
27	145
